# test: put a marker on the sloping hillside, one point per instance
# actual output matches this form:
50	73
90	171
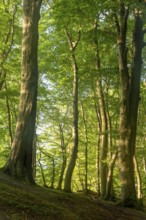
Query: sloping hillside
22	202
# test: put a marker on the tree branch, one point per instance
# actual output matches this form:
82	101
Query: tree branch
117	22
73	44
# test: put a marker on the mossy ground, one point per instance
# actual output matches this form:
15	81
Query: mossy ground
19	201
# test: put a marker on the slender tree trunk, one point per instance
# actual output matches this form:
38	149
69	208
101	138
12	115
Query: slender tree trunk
98	149
104	141
64	157
53	173
109	186
8	46
129	88
42	172
9	116
52	158
80	176
86	147
64	160
139	183
98	188
104	125
113	156
72	162
19	163
109	123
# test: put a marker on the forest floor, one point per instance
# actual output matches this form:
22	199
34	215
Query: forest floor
19	201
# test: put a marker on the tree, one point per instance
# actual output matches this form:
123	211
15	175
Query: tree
103	119
64	156
19	163
129	99
8	39
71	166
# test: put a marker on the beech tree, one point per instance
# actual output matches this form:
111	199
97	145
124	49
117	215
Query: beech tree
19	163
103	118
129	98
73	45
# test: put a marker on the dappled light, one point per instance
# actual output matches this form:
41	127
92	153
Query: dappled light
72	109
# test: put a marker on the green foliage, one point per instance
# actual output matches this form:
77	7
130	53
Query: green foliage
56	84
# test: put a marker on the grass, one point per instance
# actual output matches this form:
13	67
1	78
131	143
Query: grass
19	201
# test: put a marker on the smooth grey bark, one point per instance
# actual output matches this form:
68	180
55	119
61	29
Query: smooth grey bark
139	182
42	172
97	147
109	185
19	163
10	128
86	147
129	100
103	118
74	150
63	146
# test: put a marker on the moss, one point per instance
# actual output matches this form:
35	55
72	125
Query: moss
23	201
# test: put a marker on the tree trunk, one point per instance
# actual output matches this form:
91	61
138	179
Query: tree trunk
81	182
135	88
9	116
103	117
98	188
72	162
97	148
42	172
139	183
34	151
64	157
109	186
8	46
19	163
86	147
53	173
129	88
104	141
